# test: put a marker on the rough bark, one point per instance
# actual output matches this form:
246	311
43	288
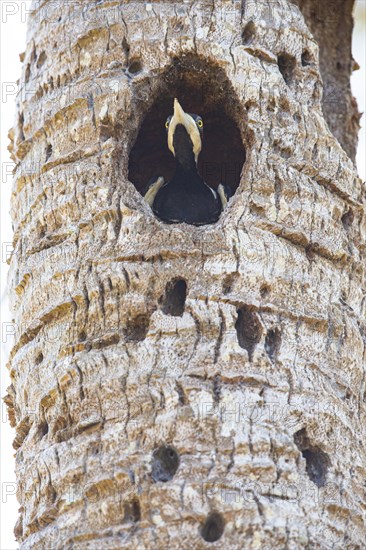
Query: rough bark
331	24
172	384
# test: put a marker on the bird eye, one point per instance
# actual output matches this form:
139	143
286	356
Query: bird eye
200	123
167	123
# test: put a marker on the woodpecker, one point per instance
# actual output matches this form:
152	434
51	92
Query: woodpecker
186	197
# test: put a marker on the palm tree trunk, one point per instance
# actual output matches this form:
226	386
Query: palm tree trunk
174	385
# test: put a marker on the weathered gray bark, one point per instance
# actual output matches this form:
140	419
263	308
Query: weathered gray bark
255	378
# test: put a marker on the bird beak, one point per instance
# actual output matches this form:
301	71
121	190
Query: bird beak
180	117
179	114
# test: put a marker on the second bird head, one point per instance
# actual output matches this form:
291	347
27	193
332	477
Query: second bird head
184	135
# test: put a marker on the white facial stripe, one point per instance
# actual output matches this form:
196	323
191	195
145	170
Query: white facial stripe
180	117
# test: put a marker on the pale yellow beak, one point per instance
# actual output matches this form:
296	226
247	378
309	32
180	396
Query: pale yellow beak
179	114
180	117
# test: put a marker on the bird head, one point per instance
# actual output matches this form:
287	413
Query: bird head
184	135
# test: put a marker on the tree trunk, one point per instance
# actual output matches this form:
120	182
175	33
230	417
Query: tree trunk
174	385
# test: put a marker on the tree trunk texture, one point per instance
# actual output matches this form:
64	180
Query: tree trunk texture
177	386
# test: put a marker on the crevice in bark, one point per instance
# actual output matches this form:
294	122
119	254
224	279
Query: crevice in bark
287	67
220	337
27	73
137	328
348	218
264	290
213	528
41	59
132	511
272	343
317	461
48	152
21	126
43	429
217	388
228	283
248	33
306	59
182	398
204	89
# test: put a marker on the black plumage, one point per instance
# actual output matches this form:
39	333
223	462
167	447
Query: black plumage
186	197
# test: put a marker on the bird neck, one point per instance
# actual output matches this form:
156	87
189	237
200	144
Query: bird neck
184	155
186	166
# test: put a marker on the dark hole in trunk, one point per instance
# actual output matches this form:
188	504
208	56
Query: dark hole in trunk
164	464
172	303
213	527
248	329
201	88
317	461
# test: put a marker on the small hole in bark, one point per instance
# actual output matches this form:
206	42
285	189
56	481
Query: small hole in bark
264	290
43	429
317	461
248	329
132	511
164	464
306	58
39	358
272	343
248	33
213	527
339	66
135	66
174	299
41	59
137	328
287	65
347	218
48	152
